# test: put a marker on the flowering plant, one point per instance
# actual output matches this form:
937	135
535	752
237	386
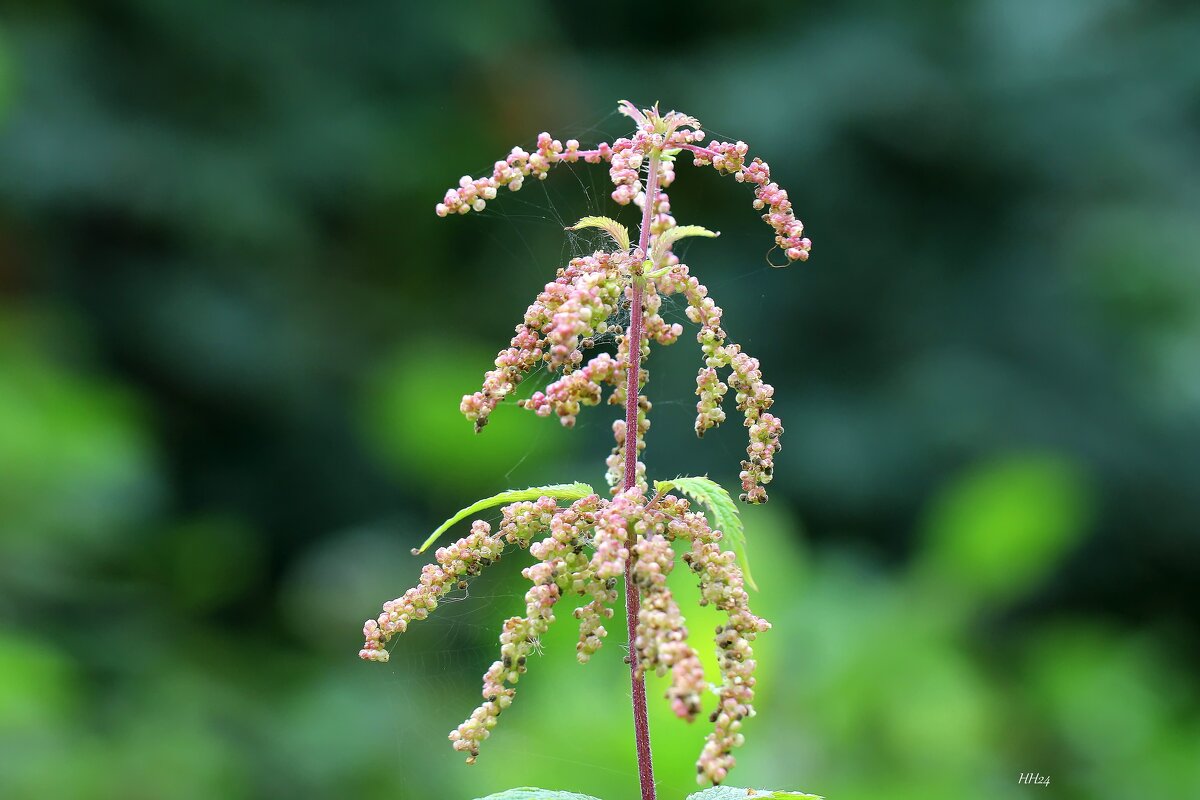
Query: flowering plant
585	543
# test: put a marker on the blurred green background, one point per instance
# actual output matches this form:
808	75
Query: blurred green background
233	337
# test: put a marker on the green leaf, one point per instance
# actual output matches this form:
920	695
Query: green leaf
670	236
721	509
618	232
530	793
559	491
733	793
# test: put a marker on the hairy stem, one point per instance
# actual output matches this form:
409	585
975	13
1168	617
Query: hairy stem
641	722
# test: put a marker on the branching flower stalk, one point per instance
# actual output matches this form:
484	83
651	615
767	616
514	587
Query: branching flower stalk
584	546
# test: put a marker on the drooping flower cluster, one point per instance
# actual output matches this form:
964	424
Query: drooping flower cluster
455	564
668	134
754	396
572	307
730	159
722	585
581	550
753	399
662	636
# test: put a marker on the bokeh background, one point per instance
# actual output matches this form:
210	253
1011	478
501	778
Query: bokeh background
233	337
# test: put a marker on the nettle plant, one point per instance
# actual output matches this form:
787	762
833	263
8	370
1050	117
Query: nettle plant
585	543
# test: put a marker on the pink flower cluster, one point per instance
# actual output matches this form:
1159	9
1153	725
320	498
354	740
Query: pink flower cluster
616	459
473	194
662	637
464	559
577	306
581	550
753	399
730	159
722	585
572	307
666	134
583	387
754	396
661	219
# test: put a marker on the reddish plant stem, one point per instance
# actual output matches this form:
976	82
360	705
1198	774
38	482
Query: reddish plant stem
704	151
637	683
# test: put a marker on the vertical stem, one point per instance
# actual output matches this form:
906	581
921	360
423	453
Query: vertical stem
641	722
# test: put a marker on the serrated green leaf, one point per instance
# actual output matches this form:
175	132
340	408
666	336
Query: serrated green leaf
559	491
618	232
670	236
721	509
530	793
734	793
